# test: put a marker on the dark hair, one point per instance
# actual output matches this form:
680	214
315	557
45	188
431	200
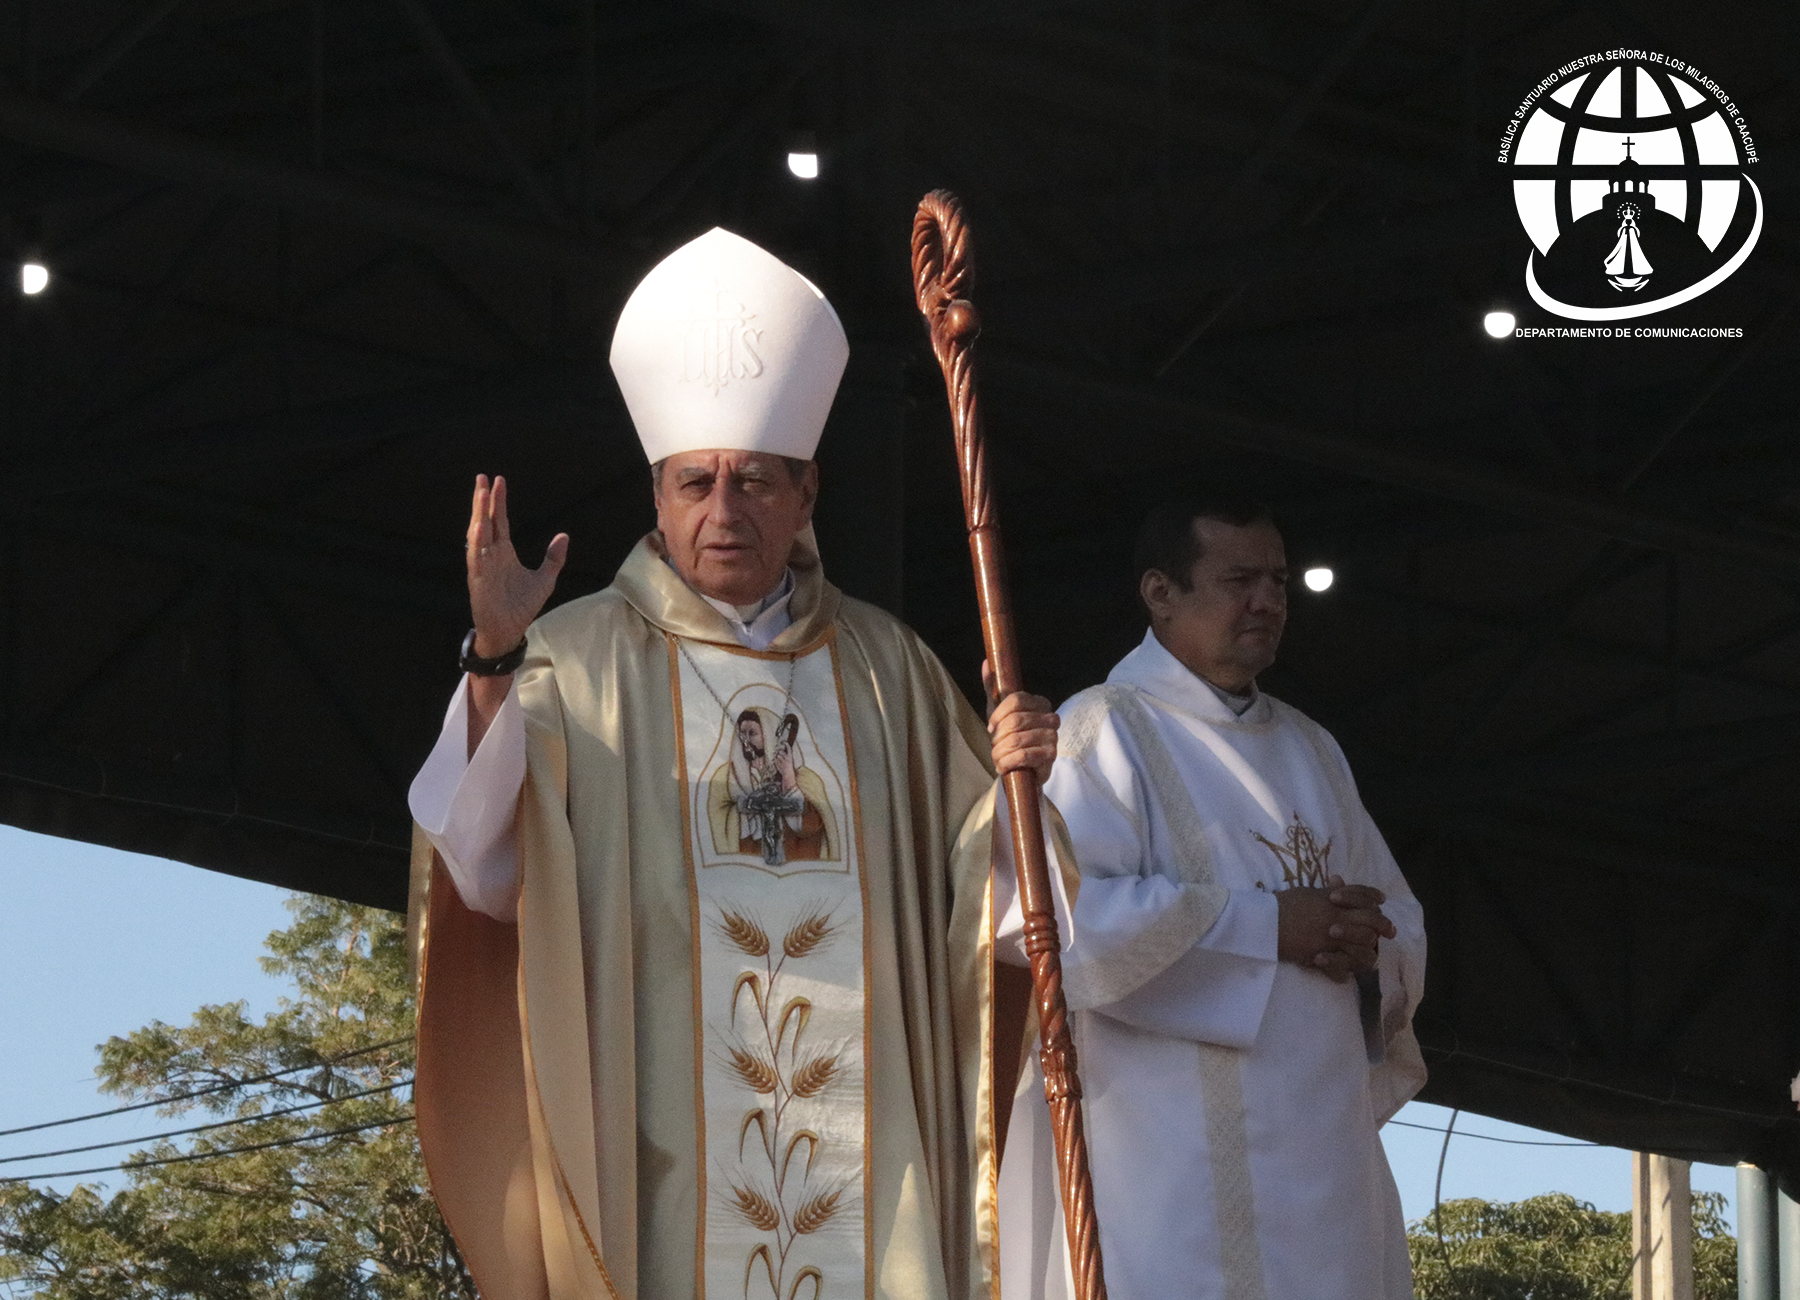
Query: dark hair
1167	542
796	469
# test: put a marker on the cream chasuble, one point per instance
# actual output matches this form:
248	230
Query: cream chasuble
751	975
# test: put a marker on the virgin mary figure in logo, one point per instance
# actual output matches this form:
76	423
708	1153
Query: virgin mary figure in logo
766	802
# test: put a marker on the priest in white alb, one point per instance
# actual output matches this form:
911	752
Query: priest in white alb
1243	963
705	1003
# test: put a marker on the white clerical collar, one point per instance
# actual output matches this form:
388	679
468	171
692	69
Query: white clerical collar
1153	670
758	625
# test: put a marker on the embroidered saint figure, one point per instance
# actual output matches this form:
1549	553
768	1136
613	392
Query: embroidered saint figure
766	801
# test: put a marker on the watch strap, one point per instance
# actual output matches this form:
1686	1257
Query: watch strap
470	662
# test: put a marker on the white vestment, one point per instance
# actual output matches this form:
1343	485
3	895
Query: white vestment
1232	1106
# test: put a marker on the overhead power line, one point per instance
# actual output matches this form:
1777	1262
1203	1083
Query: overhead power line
204	1128
208	1091
1488	1137
210	1155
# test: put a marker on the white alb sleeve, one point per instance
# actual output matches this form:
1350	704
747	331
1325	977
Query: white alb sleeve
1216	991
1213	988
466	805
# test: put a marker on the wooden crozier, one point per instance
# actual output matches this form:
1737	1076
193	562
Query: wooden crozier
942	268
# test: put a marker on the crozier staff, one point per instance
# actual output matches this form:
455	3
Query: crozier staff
673	1040
1245	963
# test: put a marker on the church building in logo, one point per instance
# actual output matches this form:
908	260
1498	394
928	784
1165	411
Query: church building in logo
1631	174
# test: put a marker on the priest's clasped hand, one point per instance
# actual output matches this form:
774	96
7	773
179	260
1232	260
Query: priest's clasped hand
1334	929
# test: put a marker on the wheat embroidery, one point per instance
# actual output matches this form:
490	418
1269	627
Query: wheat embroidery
769	1054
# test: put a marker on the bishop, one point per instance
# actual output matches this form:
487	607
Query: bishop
704	867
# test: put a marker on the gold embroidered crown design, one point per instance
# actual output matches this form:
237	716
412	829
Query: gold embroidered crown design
1304	861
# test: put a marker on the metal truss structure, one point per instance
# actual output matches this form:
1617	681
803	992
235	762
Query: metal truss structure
314	263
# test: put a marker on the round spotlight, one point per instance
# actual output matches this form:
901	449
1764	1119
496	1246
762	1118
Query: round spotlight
1319	579
804	165
1499	323
34	278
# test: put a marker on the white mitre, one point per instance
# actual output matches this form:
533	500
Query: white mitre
725	345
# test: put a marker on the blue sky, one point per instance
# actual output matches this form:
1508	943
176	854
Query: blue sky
94	942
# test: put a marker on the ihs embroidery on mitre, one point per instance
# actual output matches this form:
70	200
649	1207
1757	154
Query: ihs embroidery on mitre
719	344
1304	861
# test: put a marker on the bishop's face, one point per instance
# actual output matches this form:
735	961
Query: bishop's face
729	519
1227	626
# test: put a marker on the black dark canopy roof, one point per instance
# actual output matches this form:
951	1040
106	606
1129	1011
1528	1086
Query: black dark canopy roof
316	262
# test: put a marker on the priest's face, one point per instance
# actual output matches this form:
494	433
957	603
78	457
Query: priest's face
729	519
1226	626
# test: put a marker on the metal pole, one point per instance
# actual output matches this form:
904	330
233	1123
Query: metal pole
1756	1234
1787	1233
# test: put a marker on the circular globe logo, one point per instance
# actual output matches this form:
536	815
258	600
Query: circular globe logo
1630	171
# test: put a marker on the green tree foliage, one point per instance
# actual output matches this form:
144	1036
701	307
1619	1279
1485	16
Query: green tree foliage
1552	1248
337	1211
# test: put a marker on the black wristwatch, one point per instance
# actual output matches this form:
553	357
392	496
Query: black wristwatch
470	662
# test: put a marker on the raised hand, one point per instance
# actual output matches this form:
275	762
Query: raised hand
504	595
